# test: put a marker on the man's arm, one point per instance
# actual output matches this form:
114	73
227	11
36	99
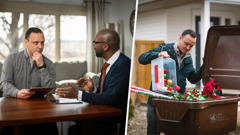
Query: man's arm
7	77
194	77
116	91
146	57
48	75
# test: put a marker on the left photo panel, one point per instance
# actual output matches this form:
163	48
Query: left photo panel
65	66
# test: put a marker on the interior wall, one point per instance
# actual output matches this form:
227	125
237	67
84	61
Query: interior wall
65	2
120	11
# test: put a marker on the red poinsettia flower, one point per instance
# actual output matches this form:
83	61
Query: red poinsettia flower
208	89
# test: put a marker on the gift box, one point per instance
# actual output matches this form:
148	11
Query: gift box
208	117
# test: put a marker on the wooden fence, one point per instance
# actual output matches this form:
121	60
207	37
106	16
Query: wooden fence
141	74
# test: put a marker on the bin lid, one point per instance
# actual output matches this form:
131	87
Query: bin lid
221	58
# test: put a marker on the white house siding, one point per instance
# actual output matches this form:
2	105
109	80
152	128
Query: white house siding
178	19
151	25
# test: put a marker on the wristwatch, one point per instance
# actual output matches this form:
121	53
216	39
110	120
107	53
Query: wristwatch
43	66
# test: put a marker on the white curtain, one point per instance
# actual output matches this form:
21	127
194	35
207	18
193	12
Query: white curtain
95	22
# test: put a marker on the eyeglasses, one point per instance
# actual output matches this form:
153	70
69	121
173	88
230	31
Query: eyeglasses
94	42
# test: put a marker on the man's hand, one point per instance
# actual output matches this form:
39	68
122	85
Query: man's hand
38	58
25	93
164	54
86	84
69	92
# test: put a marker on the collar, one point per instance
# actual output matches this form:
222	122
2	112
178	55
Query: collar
113	58
26	54
178	52
176	48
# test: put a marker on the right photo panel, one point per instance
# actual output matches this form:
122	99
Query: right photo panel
185	70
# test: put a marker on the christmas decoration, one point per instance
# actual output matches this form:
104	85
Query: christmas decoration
211	90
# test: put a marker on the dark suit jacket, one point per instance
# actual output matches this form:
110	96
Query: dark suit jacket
115	86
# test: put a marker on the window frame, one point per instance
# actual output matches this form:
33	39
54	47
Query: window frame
45	9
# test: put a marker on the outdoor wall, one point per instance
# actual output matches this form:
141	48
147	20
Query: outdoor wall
151	25
227	11
183	17
167	24
120	10
178	19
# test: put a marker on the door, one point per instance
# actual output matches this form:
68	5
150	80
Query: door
213	21
141	74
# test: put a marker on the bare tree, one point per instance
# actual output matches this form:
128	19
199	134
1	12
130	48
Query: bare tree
46	23
11	29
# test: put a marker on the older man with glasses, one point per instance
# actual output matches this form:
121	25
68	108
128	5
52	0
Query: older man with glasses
113	84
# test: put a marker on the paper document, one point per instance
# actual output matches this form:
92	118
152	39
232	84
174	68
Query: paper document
68	100
64	100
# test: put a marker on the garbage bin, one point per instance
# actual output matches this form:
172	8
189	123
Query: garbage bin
209	117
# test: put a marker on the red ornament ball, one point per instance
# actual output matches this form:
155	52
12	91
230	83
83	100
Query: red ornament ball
177	88
170	88
165	71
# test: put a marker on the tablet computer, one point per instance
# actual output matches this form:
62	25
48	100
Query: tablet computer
40	92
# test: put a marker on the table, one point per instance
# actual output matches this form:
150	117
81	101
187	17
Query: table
18	112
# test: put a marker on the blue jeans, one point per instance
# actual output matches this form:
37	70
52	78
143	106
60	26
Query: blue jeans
152	121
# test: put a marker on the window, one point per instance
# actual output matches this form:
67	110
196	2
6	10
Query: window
227	21
47	24
64	28
10	33
73	38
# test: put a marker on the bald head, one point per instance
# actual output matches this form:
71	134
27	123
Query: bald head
111	37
